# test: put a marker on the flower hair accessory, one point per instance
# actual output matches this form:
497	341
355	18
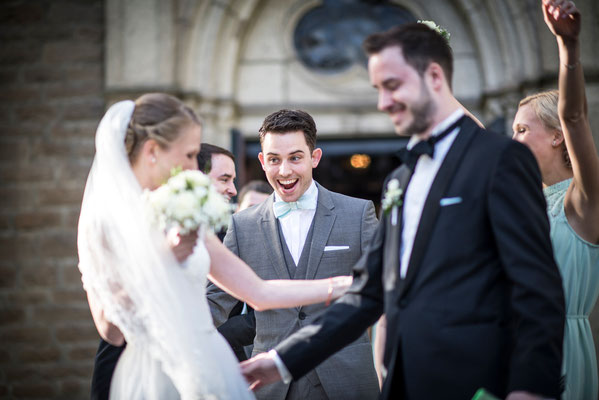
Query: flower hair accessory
440	30
393	196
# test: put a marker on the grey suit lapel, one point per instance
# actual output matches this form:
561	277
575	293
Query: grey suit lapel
324	218
271	240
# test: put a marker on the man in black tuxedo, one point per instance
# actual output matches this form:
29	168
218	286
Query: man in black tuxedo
461	264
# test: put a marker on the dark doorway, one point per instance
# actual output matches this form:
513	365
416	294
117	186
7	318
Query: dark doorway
354	167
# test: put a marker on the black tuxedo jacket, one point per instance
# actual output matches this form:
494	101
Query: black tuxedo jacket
104	364
482	303
240	329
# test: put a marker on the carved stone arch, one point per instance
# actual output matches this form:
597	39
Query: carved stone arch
204	51
210	45
209	38
507	40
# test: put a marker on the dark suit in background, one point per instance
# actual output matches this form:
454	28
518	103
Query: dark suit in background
239	329
104	364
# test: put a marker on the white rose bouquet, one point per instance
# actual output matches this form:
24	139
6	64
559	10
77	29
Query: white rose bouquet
187	201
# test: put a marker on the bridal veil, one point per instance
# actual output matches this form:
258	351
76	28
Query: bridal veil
130	271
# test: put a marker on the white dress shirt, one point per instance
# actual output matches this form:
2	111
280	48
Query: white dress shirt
424	174
295	227
296	224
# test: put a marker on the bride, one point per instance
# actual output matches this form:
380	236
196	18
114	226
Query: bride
139	290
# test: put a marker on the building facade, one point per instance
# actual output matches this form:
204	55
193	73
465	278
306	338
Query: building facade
62	62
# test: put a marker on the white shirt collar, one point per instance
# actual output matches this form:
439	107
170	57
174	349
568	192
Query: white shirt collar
454	116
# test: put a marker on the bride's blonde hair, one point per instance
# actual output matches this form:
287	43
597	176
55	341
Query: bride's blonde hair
157	116
544	105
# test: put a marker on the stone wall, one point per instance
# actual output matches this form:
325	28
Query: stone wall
51	99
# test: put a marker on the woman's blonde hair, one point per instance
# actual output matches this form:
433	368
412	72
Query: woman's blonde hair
157	116
544	105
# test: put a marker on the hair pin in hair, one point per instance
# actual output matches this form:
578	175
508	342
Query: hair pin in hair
440	30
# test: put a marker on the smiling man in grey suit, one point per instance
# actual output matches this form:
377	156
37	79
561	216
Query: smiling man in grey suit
302	231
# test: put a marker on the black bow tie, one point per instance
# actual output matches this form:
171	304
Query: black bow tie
410	157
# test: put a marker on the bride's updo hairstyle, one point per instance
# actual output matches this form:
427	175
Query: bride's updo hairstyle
157	116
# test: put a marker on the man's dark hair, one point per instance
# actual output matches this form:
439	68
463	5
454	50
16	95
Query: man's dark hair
254	186
205	156
420	46
286	121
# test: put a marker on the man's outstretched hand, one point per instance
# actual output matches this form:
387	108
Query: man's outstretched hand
260	370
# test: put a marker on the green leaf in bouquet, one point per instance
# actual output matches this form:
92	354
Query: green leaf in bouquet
176	170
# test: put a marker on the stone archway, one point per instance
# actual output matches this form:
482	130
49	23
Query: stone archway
232	59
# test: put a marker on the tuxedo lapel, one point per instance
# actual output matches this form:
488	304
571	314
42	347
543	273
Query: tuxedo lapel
431	205
393	232
324	218
271	240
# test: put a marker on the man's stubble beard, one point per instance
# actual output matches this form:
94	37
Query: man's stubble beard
422	112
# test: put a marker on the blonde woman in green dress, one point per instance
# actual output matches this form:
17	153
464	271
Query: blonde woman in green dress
556	127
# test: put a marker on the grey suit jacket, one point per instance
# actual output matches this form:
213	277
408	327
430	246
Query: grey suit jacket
254	236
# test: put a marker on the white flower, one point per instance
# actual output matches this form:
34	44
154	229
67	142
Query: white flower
393	196
183	205
393	184
187	201
441	31
177	182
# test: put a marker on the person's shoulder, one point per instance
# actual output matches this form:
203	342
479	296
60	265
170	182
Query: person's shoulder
494	152
489	145
498	143
343	200
489	137
252	213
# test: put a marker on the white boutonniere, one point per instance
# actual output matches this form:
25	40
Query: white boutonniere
392	199
440	30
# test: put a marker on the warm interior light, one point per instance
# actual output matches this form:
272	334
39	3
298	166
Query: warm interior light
360	161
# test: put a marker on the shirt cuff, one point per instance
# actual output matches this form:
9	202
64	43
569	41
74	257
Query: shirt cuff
283	371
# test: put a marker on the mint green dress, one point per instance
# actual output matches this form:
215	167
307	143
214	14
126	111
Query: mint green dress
578	262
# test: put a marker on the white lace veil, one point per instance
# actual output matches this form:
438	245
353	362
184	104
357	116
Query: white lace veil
127	266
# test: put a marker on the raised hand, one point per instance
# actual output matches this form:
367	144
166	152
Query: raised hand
259	371
562	17
181	245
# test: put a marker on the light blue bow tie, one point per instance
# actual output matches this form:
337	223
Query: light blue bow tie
283	208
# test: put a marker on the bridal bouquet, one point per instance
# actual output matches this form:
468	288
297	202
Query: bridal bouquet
187	201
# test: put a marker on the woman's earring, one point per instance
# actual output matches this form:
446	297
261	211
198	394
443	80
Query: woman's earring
153	159
554	144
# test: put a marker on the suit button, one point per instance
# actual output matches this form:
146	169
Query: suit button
403	303
301	315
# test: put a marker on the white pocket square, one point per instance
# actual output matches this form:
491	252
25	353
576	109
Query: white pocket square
448	201
335	248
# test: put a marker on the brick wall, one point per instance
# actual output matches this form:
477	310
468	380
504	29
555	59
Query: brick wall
51	99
